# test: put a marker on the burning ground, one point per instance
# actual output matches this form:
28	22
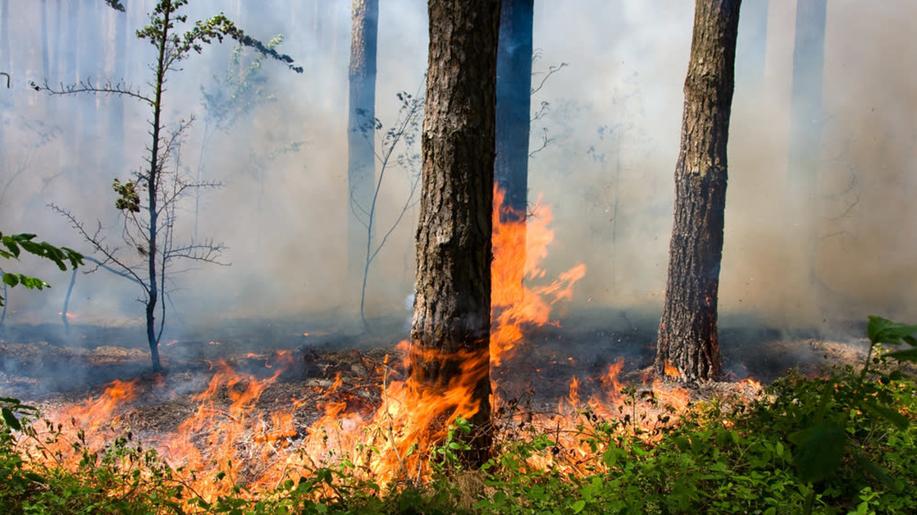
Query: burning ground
253	404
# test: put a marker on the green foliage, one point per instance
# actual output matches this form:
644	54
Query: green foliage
13	245
128	198
807	445
178	46
115	4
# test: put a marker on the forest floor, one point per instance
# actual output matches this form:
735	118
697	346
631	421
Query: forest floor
300	363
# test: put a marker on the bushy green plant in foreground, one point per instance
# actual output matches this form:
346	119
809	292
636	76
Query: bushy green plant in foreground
839	444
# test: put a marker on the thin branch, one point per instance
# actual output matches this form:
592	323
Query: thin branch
87	86
554	68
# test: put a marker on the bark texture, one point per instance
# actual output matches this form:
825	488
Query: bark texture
451	323
361	130
687	336
514	106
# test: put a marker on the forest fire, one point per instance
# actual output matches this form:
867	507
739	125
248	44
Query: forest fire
227	435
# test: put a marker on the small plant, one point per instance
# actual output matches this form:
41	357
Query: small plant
13	247
148	202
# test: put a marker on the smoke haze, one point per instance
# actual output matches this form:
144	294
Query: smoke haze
612	123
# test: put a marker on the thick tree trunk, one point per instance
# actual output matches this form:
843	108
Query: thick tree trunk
451	324
514	84
361	158
687	336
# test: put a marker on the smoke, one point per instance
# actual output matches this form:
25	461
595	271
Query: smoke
612	120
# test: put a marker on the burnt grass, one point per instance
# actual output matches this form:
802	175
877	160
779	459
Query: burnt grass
43	365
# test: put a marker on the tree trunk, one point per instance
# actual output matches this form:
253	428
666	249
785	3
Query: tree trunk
687	336
45	52
5	66
514	84
5	58
153	187
361	158
806	132
451	323
90	68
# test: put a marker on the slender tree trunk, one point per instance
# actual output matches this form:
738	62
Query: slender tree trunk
71	70
687	336
361	157
45	52
751	47
451	323
152	189
90	68
65	311
5	58
6	67
514	101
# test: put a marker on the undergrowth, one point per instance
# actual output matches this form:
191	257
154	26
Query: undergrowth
844	443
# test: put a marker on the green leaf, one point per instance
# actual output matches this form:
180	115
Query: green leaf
10	419
578	506
904	355
882	330
11	279
888	413
820	449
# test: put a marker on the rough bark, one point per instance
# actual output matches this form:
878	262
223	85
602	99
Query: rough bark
687	336
451	324
514	84
361	157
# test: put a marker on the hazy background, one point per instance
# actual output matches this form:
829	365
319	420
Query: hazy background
613	121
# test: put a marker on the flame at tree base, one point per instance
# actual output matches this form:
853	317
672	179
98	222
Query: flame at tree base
227	437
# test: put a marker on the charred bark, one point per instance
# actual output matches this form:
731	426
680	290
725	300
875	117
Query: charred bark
514	105
451	323
361	154
687	336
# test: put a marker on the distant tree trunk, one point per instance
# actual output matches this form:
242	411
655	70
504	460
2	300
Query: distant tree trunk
45	53
91	68
451	323
514	84
5	59
361	157
806	122
118	52
70	54
751	47
58	45
687	336
5	66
